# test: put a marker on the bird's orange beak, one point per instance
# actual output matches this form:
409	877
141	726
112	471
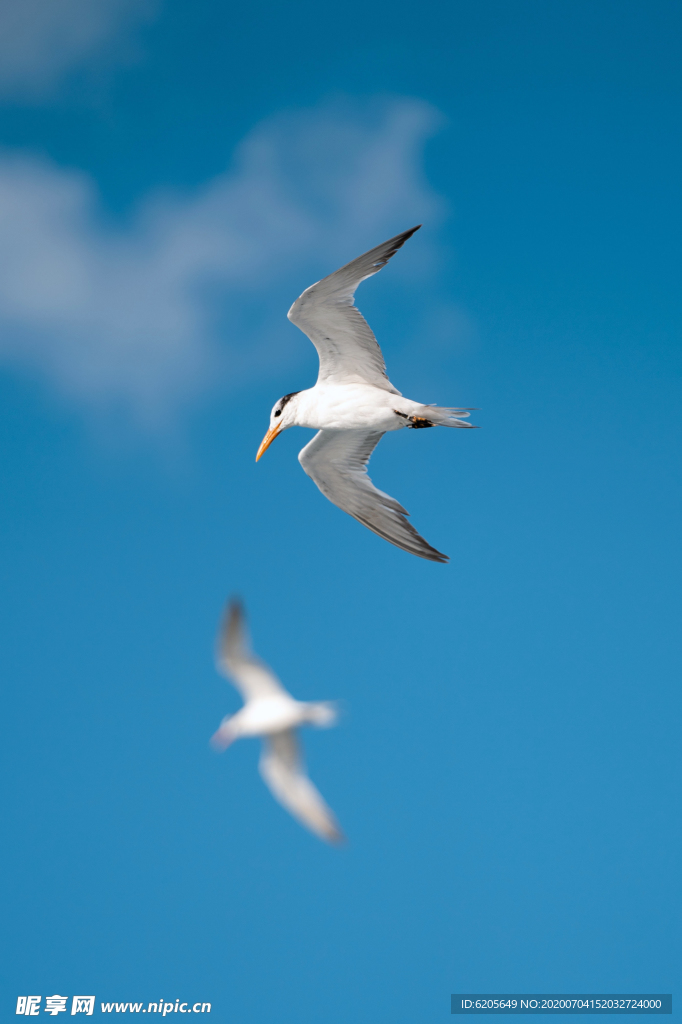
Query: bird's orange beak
268	439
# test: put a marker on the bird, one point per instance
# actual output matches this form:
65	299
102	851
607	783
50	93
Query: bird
272	713
353	403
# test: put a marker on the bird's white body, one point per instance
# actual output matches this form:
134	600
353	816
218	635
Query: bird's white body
272	714
353	403
262	716
267	715
352	407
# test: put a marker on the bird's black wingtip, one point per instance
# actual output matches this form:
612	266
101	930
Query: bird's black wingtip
404	235
433	554
395	243
232	624
430	554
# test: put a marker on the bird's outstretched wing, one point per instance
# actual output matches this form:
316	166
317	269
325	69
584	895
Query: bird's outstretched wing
250	675
348	350
337	462
283	771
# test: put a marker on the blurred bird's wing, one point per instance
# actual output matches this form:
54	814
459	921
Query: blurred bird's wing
283	771
250	675
337	462
345	343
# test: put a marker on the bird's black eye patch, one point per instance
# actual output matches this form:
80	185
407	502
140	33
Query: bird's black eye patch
279	408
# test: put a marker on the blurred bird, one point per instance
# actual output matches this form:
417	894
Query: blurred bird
353	403
273	714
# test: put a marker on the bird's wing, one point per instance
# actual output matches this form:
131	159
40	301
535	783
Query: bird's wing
337	461
283	771
348	350
250	675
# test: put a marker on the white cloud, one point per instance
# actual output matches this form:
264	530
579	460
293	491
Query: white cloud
41	39
142	315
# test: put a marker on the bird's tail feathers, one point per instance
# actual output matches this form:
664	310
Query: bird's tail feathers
323	713
444	417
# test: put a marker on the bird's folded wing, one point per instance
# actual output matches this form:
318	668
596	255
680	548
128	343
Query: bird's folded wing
345	343
282	768
249	674
337	461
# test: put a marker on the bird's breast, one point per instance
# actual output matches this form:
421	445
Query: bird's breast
270	714
348	407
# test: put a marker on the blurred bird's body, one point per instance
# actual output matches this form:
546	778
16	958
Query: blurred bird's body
272	714
263	716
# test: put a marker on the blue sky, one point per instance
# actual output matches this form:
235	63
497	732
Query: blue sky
171	177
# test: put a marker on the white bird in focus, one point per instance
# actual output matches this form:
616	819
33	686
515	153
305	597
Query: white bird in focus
353	404
273	714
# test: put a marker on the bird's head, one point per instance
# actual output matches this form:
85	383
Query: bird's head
226	734
283	415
